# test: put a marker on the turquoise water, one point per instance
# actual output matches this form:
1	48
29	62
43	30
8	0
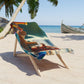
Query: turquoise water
53	28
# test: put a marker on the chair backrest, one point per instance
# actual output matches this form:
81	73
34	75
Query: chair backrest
32	28
35	33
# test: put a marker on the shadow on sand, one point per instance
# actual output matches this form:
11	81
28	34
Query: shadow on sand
70	37
24	64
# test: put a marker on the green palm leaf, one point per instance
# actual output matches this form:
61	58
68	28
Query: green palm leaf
55	2
9	6
33	6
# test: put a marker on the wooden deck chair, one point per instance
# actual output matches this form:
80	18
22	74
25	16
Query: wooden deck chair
30	36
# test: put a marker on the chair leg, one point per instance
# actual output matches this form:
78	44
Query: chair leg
58	54
14	53
31	58
35	65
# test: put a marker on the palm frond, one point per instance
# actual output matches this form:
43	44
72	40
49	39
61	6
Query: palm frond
33	6
1	4
9	6
54	2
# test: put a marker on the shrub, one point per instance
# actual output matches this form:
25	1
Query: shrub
1	29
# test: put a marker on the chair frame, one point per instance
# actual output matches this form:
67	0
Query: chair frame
33	61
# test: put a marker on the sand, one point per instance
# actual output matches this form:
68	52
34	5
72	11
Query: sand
19	70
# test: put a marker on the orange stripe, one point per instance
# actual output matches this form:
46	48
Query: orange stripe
20	23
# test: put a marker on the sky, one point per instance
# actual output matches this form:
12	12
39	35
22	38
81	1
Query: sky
71	12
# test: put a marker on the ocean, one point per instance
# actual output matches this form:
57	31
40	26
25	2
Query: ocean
53	28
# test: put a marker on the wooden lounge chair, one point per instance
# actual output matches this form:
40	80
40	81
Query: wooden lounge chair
30	36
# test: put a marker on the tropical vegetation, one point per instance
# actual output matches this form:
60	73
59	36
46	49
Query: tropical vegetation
33	6
1	29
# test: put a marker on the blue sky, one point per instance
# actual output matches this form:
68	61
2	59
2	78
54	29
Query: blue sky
70	11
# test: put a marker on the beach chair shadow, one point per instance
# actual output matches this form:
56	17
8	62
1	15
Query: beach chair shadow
24	64
30	34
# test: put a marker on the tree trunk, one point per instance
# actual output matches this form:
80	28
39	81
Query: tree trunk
7	28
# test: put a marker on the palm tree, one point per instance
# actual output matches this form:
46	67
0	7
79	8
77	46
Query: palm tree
9	6
33	6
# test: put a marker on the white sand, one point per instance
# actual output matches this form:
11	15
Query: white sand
19	70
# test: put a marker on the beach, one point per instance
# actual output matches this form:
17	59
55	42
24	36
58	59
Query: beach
19	70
